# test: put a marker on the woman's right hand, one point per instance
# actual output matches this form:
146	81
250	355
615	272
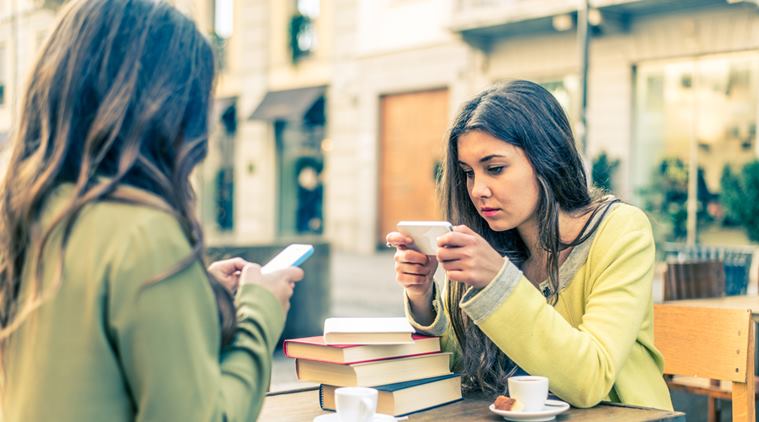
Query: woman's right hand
413	269
281	283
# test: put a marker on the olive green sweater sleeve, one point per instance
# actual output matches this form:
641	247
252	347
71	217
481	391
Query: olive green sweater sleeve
167	333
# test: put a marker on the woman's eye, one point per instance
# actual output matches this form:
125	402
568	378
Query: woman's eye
468	173
495	169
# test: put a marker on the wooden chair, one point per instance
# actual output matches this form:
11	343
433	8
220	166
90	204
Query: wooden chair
736	261
694	280
712	343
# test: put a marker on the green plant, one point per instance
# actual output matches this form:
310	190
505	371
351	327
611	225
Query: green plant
666	200
730	196
740	197
603	170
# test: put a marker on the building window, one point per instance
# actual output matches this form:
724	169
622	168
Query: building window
300	163
223	27
223	22
309	8
224	181
704	107
302	29
3	81
564	89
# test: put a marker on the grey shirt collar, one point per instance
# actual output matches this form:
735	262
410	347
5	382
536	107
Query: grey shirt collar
577	257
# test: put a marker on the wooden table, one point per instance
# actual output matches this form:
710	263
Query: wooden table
303	406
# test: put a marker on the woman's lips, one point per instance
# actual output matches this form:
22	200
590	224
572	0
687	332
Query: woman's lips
489	212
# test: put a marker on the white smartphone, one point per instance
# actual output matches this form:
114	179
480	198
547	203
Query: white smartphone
425	233
291	256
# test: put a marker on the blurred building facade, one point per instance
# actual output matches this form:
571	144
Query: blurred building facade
24	24
668	80
331	116
24	27
671	82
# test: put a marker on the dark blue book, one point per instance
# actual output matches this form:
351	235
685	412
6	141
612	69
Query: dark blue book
403	398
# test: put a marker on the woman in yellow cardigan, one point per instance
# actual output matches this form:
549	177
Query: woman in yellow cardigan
107	312
543	276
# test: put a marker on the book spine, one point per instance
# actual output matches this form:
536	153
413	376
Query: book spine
431	407
385	358
321	396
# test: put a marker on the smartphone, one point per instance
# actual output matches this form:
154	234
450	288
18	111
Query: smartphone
425	233
291	256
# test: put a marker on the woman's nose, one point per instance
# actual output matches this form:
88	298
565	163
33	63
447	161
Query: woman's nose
480	189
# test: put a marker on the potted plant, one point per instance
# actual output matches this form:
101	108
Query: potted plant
740	197
603	170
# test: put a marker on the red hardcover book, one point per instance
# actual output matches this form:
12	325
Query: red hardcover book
314	348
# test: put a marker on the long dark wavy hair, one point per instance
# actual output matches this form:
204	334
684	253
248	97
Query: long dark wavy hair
527	116
119	95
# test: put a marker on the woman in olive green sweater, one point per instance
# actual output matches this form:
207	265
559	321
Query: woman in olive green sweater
106	311
543	276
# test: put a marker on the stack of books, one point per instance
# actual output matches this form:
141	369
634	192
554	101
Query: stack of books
409	371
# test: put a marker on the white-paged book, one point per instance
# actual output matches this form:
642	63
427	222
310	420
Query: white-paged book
367	331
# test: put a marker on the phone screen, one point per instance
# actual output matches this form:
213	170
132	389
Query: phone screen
291	256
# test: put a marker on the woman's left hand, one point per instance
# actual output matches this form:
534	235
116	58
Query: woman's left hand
227	272
468	258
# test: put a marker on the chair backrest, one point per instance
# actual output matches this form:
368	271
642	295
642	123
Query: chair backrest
694	280
715	343
736	260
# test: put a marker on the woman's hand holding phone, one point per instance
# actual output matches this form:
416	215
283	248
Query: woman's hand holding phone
227	272
280	282
413	269
468	258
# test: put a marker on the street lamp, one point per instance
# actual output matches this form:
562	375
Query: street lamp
583	39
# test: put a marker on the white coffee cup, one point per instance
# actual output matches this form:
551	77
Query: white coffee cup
355	404
531	391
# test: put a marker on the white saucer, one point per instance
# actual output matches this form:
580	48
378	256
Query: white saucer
332	417
549	412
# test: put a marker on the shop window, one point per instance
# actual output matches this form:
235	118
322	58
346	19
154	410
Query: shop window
224	181
704	107
301	164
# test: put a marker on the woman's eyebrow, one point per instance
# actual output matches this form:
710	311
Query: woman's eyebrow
484	159
490	157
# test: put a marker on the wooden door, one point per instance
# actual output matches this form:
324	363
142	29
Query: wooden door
412	140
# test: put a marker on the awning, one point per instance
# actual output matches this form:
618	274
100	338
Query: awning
289	104
481	22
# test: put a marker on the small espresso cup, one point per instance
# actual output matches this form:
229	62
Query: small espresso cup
355	404
531	391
